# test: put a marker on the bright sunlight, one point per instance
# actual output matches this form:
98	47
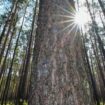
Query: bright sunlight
77	19
81	18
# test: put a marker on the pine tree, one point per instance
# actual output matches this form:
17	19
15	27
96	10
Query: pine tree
58	69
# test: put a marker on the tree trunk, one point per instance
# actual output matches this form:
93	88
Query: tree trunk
13	16
95	27
102	6
91	79
9	19
7	84
57	61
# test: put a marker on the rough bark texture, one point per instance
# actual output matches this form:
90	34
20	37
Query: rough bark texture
58	71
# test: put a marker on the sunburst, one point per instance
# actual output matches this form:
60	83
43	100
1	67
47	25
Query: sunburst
75	19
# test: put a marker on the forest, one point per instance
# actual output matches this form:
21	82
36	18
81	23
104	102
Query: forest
52	52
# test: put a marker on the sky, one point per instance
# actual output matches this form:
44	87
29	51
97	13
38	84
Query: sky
3	5
82	16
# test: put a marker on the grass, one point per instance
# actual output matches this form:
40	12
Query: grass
11	103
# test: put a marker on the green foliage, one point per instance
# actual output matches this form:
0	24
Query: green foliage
25	103
11	103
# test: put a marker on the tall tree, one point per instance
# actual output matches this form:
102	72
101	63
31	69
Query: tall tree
102	6
57	72
7	85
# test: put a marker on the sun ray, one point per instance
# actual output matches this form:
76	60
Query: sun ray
69	4
65	28
75	19
65	10
74	26
65	16
65	21
75	34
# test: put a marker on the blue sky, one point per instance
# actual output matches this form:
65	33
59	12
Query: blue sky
3	6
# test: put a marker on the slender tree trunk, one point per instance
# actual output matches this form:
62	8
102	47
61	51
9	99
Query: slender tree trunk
28	56
6	55
9	19
13	15
102	6
95	27
56	72
2	72
91	78
5	93
99	70
102	21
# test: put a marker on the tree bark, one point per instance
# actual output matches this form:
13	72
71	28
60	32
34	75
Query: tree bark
57	60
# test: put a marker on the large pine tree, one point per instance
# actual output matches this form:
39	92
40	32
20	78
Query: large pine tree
58	72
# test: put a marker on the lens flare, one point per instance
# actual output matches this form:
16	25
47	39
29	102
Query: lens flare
75	19
81	18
